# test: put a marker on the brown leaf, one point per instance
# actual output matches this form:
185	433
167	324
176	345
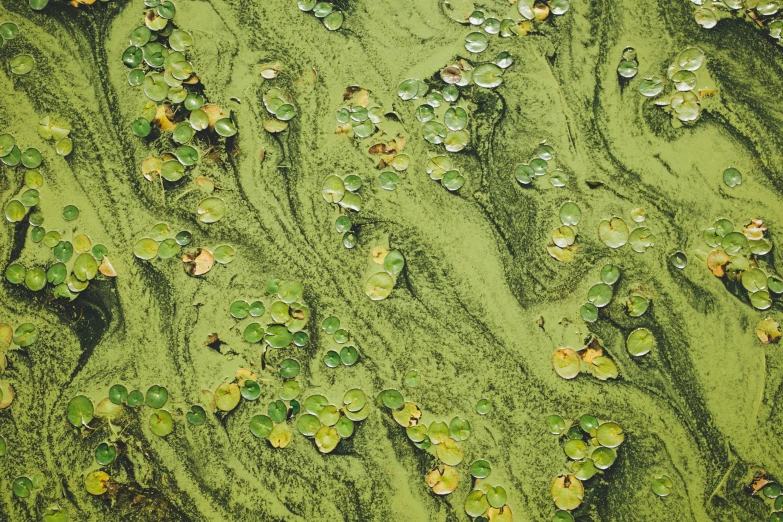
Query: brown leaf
378	149
759	481
106	268
768	330
715	261
755	229
199	263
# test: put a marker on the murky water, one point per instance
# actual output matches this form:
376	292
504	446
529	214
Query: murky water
480	307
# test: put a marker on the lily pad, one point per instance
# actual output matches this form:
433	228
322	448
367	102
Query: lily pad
80	411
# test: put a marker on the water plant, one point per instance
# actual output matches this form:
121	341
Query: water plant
161	242
324	11
738	260
691	82
629	65
52	128
764	14
328	424
278	320
177	106
341	349
540	164
343	193
562	244
770	491
384	267
591	446
589	357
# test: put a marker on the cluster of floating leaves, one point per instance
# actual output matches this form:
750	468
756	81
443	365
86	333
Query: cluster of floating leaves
443	120
57	130
12	339
328	424
590	357
441	168
20	64
359	116
562	244
363	118
439	438
771	492
343	192
486	501
641	340
273	426
591	447
765	14
279	104
277	320
629	65
688	79
532	11
385	266
107	415
736	257
162	243
539	165
538	10
600	294
347	355
77	260
615	233
768	331
177	107
332	18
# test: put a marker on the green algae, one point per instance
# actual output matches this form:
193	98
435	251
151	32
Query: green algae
699	408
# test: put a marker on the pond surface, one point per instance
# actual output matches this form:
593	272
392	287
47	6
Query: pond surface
447	278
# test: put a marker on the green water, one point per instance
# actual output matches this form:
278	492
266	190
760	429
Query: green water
480	307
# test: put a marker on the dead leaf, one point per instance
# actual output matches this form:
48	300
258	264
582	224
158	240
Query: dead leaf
768	330
106	268
198	264
755	229
715	261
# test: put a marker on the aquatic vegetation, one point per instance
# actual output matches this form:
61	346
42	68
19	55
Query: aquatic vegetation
737	258
440	168
600	294
770	491
629	65
162	243
615	233
279	104
56	130
562	245
384	267
340	344
768	331
691	82
178	108
343	193
662	485
764	14
361	117
569	362
591	447
77	260
443	117
328	424
541	164
732	177
325	11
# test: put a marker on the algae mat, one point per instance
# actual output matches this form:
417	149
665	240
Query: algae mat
269	136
